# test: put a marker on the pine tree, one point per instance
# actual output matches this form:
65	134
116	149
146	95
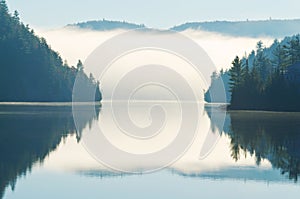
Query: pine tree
293	50
38	72
261	62
79	65
16	16
236	73
280	61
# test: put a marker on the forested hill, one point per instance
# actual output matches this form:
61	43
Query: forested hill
103	25
30	70
271	28
268	78
268	28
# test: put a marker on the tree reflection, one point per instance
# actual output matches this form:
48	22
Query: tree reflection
267	135
28	134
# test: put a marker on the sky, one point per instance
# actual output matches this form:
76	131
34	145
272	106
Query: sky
155	13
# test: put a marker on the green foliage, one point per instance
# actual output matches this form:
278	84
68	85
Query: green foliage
30	69
280	59
266	86
236	73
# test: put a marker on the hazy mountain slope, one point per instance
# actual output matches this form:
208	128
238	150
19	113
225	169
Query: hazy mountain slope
263	28
103	25
272	28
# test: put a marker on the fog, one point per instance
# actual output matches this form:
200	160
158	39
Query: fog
74	44
222	49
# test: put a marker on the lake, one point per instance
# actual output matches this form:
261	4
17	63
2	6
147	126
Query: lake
45	153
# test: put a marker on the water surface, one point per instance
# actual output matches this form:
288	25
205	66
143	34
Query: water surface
42	155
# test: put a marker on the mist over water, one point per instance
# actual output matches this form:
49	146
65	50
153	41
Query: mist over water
74	43
114	109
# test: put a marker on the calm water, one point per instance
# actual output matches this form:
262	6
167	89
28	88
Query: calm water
43	155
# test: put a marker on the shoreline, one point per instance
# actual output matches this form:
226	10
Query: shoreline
262	110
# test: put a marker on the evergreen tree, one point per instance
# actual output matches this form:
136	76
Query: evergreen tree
236	73
264	87
30	69
261	62
280	61
79	65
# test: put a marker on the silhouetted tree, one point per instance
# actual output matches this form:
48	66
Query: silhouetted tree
265	86
236	73
30	69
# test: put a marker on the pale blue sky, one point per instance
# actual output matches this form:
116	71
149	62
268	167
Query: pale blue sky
153	13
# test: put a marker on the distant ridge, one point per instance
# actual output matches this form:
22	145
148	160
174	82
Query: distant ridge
102	25
277	28
271	28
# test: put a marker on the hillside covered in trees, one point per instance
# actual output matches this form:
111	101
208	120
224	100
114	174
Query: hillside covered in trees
30	70
272	27
268	78
103	25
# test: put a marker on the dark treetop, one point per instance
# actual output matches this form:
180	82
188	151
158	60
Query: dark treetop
30	70
266	79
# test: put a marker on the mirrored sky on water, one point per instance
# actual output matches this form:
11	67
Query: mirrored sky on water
255	155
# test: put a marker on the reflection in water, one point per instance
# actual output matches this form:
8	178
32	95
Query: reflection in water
28	134
266	135
249	142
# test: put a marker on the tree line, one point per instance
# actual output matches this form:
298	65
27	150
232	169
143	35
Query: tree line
30	69
267	78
